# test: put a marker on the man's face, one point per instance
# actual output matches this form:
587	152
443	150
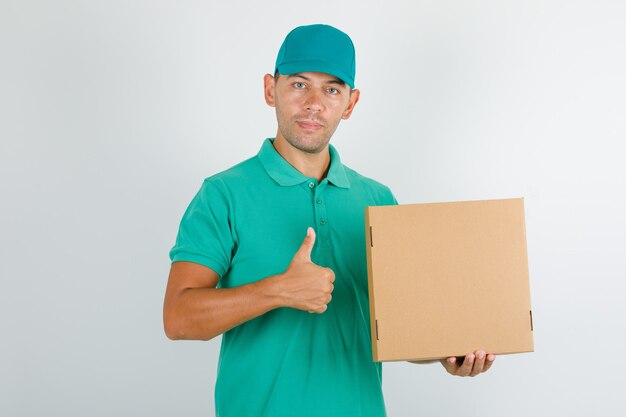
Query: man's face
309	107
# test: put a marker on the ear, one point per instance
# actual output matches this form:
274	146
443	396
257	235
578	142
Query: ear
269	84
354	98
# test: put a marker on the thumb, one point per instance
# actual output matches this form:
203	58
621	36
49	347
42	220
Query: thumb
304	252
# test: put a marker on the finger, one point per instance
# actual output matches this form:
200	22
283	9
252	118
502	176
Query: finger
451	365
321	309
331	274
479	363
490	358
466	368
304	252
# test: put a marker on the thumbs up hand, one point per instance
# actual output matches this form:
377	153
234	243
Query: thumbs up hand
305	285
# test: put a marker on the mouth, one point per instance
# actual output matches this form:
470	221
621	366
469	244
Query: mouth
309	124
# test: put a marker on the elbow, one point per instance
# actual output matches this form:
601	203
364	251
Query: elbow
177	328
174	321
172	326
171	333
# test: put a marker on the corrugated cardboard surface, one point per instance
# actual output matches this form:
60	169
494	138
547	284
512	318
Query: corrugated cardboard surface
446	279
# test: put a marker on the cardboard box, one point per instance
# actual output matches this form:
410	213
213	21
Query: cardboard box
446	279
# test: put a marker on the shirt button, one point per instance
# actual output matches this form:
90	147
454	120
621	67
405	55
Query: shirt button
318	200
323	222
311	185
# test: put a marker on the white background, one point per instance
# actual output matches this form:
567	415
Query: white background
112	113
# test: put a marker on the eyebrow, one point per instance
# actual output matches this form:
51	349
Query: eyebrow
334	80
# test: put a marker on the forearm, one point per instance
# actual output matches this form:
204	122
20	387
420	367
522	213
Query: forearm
194	309
203	313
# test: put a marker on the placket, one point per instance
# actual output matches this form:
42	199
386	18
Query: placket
322	227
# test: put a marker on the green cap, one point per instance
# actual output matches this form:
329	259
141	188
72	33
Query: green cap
318	48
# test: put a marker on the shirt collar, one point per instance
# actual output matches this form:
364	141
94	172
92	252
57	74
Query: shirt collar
284	174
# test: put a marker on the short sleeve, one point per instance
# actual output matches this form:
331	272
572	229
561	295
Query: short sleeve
205	235
393	201
386	197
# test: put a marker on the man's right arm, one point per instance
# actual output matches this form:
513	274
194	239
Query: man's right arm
194	309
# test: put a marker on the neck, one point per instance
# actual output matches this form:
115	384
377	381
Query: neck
313	165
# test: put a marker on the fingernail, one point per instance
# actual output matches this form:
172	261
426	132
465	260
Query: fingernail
471	358
451	360
491	357
480	355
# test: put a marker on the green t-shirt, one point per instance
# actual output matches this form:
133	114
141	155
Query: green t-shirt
246	223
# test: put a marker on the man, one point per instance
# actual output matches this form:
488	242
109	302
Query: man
240	267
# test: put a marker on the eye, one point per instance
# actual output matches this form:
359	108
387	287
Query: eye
299	85
332	90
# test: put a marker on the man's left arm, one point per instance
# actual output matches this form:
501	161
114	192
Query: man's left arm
471	364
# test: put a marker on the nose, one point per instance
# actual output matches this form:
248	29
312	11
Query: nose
313	102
